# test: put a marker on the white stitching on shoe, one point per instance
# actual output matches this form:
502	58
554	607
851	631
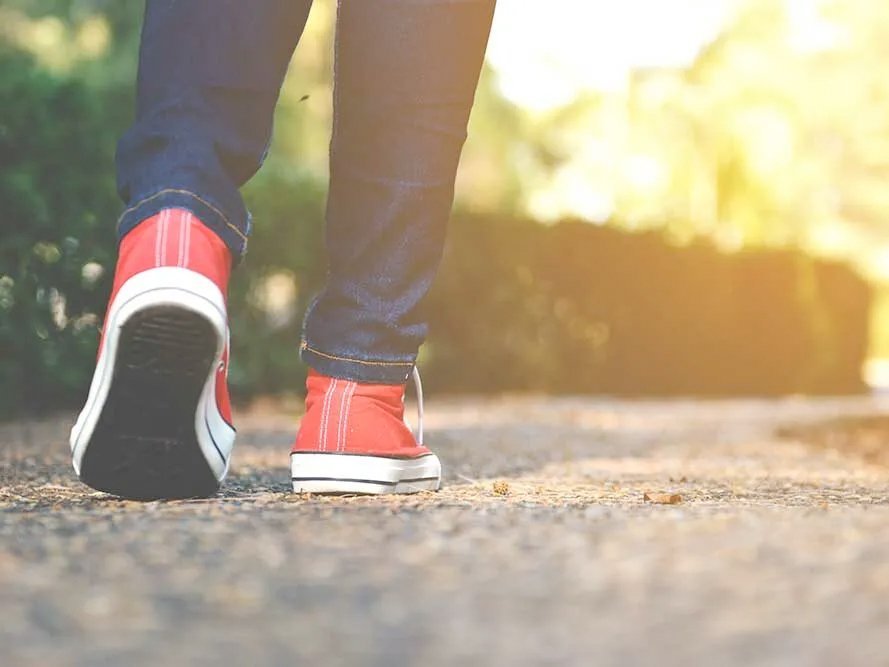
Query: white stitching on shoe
165	229
182	227
180	241
339	420
349	415
341	388
325	414
157	238
345	409
346	425
188	225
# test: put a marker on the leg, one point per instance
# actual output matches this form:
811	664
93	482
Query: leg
157	420
406	73
209	76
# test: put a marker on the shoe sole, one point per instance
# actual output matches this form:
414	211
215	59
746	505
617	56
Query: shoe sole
360	474
150	429
144	445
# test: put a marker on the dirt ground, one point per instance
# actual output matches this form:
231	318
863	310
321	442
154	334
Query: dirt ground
764	540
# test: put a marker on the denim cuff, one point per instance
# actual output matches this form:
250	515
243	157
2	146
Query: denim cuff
234	235
359	370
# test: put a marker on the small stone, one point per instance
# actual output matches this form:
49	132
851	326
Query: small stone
662	498
501	488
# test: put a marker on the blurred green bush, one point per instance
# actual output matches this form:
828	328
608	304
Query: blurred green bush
519	306
578	308
57	212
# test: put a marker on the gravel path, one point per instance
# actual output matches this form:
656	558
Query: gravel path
541	548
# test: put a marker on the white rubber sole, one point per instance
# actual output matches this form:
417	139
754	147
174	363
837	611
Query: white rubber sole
186	291
353	473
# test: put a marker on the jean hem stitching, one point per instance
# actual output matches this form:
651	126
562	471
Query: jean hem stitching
178	191
308	348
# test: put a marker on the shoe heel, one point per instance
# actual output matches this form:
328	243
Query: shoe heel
145	445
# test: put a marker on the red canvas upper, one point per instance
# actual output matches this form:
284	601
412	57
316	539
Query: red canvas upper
347	417
175	237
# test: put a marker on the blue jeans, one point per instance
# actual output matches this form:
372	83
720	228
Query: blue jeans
405	76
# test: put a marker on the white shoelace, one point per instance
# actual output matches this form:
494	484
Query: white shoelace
418	387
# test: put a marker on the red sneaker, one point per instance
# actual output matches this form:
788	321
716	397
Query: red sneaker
157	422
353	439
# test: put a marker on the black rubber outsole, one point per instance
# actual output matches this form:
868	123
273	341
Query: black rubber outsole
144	446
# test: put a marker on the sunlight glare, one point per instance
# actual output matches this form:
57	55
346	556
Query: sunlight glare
545	58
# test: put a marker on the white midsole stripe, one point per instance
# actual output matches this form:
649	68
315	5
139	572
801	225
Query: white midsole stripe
350	473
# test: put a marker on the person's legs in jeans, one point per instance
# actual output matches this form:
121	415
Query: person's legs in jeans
209	76
210	71
157	421
406	73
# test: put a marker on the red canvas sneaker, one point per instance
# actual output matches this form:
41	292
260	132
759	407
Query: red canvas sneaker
157	421
353	439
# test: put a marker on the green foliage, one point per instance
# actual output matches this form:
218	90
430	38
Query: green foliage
578	308
57	211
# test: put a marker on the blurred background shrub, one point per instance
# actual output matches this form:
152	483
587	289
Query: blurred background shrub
572	307
55	247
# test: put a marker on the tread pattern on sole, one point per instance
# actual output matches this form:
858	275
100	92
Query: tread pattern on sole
144	445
